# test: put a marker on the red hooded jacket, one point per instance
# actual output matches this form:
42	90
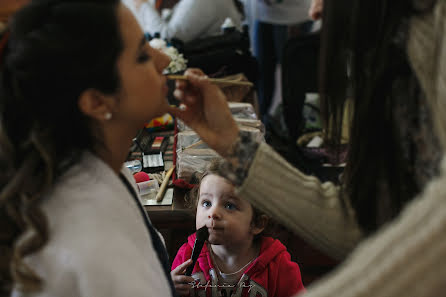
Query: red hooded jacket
271	274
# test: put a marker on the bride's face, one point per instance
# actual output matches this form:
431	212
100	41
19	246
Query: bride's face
143	91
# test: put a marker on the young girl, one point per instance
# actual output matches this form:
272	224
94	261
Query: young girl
237	260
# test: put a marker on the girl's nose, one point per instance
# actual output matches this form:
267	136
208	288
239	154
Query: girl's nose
214	214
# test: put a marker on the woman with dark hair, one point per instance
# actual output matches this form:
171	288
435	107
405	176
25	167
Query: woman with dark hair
388	55
77	81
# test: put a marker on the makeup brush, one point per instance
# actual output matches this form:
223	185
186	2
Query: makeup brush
217	81
202	235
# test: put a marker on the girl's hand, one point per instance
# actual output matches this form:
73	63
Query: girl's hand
182	282
206	111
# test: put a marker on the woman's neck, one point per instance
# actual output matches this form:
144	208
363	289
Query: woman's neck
232	259
115	147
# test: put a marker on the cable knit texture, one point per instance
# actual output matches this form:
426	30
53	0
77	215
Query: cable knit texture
302	203
406	258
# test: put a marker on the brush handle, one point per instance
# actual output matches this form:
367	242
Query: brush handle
217	81
160	195
198	245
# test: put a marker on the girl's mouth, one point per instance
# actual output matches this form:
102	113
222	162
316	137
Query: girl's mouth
215	229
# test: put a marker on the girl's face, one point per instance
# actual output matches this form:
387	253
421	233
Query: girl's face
143	91
227	217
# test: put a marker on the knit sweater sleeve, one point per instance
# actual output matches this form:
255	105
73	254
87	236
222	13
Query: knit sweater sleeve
405	258
302	203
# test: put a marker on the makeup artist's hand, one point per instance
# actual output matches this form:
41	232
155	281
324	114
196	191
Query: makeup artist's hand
206	111
182	282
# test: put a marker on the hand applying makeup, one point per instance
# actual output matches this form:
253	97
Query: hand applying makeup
206	112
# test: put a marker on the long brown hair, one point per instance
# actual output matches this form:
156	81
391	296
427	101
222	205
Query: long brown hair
363	57
50	58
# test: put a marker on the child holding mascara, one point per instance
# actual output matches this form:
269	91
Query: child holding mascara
236	259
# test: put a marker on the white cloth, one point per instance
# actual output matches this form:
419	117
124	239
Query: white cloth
99	244
190	19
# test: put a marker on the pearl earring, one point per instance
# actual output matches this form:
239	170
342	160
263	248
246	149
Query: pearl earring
108	116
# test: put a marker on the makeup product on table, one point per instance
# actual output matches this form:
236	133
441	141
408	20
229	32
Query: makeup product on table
156	145
134	166
168	153
149	188
141	177
143	140
202	235
153	163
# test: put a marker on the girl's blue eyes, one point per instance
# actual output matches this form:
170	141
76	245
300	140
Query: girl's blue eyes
229	206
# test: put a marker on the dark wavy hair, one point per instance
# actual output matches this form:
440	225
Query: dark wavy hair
363	57
56	50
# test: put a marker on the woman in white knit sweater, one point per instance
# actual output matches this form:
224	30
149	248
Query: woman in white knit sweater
405	252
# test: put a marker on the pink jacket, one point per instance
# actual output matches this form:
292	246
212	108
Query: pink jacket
271	274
